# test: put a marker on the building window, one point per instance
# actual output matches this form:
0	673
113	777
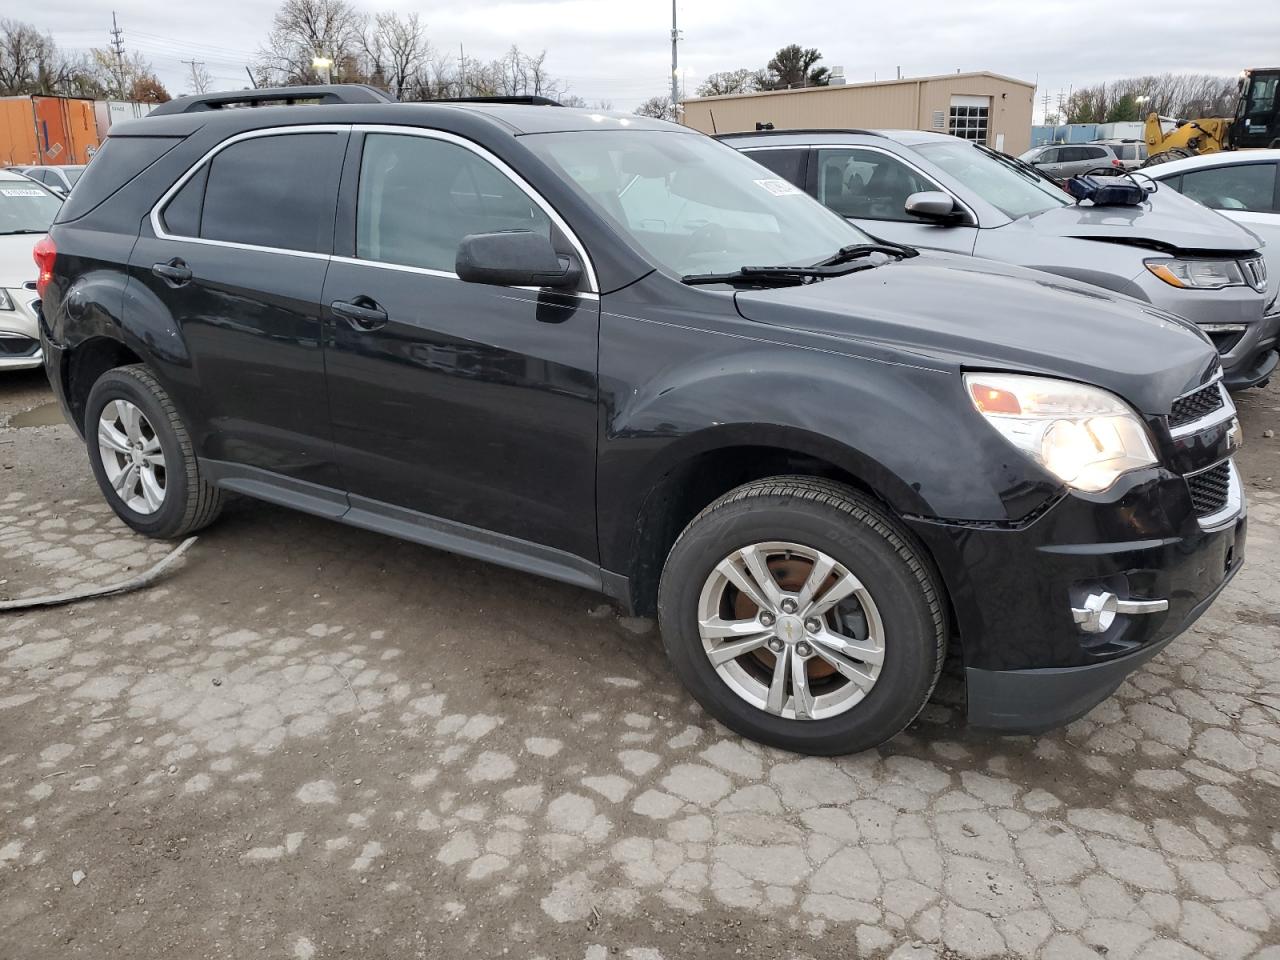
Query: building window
969	116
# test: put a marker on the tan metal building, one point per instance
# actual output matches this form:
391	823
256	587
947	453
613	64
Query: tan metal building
987	107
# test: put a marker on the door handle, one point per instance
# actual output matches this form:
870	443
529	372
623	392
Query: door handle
175	272
363	313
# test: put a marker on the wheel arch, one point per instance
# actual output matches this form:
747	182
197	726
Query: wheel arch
693	473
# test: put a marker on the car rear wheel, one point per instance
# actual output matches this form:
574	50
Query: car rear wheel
801	614
142	456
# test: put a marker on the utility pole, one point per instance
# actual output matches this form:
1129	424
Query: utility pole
197	86
117	45
675	75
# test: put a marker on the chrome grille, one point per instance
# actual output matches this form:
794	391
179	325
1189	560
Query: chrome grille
1255	272
1210	489
1193	406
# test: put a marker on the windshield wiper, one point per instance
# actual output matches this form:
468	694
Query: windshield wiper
855	251
781	275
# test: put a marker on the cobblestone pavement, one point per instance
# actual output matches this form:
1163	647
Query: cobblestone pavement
311	742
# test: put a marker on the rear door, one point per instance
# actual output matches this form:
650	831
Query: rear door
236	254
870	186
467	403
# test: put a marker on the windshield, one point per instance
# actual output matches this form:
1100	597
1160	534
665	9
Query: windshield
72	174
694	205
1014	192
26	207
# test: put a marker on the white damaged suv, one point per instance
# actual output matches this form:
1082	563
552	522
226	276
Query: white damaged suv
27	209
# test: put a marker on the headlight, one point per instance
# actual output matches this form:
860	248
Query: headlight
1206	274
6	301
1084	436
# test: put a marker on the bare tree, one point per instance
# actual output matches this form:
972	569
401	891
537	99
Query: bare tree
660	108
1181	95
30	62
518	74
397	51
130	77
728	82
303	30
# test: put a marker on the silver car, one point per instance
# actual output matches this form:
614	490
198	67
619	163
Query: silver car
935	191
1064	160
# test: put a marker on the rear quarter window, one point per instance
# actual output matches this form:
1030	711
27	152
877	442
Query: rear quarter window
117	162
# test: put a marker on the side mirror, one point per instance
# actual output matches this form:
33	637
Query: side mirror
514	258
932	205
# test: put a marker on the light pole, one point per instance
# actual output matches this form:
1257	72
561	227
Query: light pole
323	63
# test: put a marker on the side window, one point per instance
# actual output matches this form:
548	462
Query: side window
418	197
274	191
1101	154
1071	154
1243	186
181	215
788	164
867	184
1051	155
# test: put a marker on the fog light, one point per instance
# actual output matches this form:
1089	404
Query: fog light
1098	612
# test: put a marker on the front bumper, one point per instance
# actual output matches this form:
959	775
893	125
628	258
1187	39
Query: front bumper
1029	665
19	333
1232	318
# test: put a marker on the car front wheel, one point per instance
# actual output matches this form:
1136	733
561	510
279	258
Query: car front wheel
800	614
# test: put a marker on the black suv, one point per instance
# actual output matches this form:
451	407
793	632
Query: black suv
617	353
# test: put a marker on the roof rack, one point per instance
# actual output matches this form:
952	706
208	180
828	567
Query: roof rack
324	93
526	100
805	130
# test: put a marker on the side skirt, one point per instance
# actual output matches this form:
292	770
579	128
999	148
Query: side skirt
423	528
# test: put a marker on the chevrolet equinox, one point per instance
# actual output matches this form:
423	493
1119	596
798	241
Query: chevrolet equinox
616	353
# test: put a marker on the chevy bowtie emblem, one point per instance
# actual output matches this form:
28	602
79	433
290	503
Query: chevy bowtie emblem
1233	435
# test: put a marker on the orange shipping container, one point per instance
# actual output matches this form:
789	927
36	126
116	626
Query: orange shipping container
46	130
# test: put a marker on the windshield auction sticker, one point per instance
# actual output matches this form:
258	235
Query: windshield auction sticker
779	188
21	192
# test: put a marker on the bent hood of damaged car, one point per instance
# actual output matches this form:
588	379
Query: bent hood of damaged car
976	314
1166	222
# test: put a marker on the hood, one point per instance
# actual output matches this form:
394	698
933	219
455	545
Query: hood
964	312
16	265
1166	221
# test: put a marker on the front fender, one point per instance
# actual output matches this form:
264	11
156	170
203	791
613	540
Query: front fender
905	431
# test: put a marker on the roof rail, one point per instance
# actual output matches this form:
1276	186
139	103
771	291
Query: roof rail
805	130
324	93
527	100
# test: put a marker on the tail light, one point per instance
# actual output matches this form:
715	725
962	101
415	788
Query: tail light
1116	163
44	253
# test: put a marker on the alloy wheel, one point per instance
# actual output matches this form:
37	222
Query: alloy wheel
131	456
791	630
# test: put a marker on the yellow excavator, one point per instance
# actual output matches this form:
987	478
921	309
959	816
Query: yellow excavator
1256	123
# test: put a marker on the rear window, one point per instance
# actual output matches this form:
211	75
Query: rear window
117	162
275	191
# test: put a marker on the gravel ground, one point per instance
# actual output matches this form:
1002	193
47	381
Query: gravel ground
311	741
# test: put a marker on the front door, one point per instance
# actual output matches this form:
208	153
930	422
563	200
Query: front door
871	188
470	403
238	265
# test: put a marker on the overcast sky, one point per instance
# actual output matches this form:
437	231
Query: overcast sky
620	50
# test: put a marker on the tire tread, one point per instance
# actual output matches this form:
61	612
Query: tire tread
204	500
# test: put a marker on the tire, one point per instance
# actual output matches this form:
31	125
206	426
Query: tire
189	502
900	595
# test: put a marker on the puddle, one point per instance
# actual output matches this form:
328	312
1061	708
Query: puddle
45	415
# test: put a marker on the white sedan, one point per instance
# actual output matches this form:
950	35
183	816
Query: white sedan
1243	185
27	209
